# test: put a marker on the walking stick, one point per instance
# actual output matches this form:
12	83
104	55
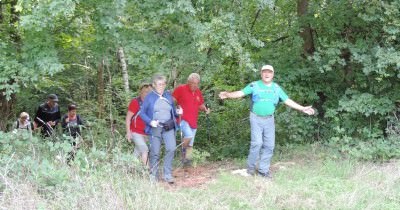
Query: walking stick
48	129
183	149
208	124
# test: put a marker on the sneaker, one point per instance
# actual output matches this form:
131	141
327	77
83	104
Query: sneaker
265	175
169	180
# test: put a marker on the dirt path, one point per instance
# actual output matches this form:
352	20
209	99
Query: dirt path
201	175
198	176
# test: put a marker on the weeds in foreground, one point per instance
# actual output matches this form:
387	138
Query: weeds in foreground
36	176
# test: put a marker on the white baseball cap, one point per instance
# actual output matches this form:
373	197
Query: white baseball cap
267	67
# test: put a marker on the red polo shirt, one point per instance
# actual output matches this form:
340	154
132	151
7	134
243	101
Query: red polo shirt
137	126
190	102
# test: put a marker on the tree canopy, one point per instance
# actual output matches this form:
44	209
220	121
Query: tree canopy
342	57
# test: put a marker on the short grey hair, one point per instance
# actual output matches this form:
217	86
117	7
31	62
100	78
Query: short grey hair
194	76
159	77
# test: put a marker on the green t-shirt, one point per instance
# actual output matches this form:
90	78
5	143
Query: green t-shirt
265	97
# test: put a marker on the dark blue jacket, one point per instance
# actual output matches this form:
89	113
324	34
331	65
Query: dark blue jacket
147	109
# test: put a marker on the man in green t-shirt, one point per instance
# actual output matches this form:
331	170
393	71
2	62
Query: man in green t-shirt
265	95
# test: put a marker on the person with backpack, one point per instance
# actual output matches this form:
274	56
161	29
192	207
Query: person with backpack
190	98
48	116
265	96
71	124
22	124
159	113
135	126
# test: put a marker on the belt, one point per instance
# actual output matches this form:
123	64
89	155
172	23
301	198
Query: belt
264	117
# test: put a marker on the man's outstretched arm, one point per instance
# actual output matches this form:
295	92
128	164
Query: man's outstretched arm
235	94
305	109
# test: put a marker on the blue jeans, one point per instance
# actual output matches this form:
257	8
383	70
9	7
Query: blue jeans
262	142
169	139
188	132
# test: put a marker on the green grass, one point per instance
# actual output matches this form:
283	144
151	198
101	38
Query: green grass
305	177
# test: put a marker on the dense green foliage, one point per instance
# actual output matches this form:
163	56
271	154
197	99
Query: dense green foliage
351	75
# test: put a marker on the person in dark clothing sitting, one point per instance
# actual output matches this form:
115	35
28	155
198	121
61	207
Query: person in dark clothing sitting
47	116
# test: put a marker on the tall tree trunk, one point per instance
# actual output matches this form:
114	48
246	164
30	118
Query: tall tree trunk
100	89
7	104
1	13
122	63
174	74
13	21
6	110
348	77
113	122
306	32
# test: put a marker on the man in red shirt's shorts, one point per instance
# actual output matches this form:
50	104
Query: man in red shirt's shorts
190	98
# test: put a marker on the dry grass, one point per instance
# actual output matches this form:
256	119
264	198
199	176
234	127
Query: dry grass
17	195
298	183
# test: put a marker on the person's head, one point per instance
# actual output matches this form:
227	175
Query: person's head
72	109
52	100
193	81
159	83
23	117
267	74
144	89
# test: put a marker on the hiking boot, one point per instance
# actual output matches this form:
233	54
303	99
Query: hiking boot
265	175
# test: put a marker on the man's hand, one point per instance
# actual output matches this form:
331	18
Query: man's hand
308	110
51	123
208	110
154	123
179	110
128	137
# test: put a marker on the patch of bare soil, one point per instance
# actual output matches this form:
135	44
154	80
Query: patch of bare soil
200	176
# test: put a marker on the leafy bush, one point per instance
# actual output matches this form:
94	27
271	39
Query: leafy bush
375	147
199	157
229	131
294	127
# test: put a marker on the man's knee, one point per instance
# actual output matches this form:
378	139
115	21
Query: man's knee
256	144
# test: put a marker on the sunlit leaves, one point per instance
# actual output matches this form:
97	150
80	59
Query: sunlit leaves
44	14
365	104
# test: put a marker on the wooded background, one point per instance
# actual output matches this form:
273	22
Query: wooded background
341	56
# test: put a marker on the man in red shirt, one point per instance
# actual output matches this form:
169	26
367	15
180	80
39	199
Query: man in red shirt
190	98
135	125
